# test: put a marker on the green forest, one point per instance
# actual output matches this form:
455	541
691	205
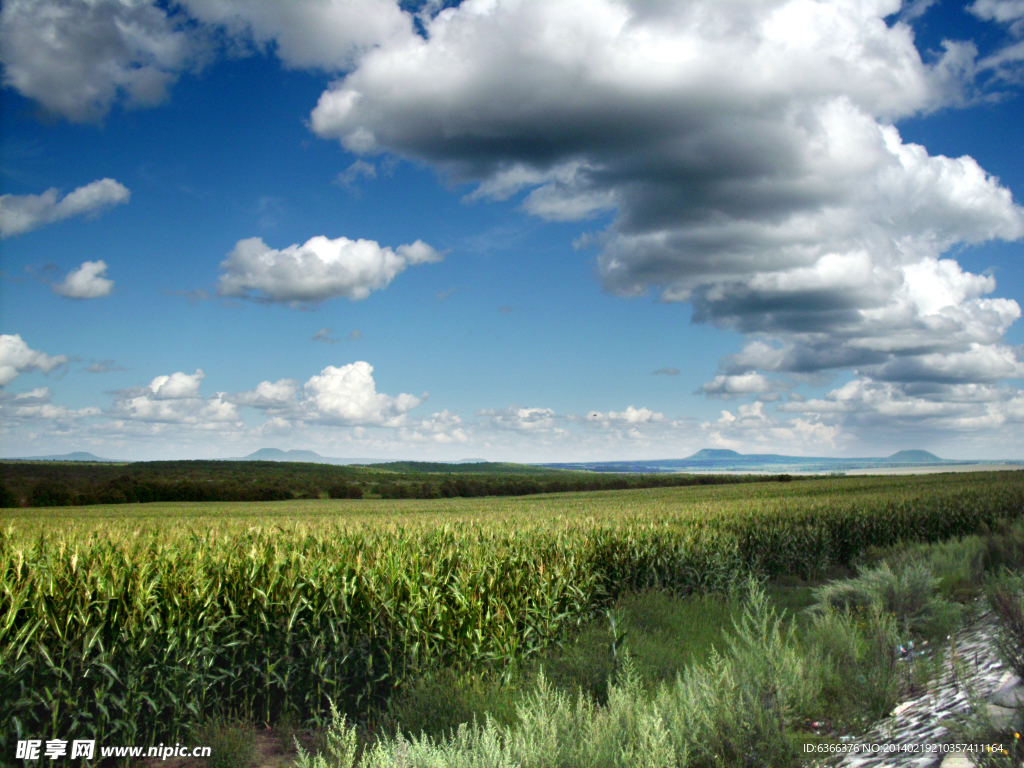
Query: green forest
58	484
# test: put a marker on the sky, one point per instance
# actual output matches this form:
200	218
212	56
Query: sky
513	230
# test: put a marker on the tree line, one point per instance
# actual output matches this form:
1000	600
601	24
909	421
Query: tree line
57	484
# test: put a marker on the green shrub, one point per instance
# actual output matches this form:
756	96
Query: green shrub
906	591
7	497
856	650
232	745
345	491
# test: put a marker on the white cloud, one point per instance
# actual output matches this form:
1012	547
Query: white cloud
917	409
1010	12
37	405
747	151
23	213
629	417
177	386
77	58
175	399
521	419
730	386
320	34
16	357
340	396
86	282
269	395
751	429
348	395
443	428
319	269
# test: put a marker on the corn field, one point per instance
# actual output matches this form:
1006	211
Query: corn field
129	623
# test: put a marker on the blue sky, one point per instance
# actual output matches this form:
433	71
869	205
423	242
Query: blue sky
531	230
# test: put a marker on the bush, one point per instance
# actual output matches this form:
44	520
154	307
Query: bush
231	745
47	493
856	652
345	491
906	591
7	497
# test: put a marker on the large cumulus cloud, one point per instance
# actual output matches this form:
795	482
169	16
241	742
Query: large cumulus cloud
746	151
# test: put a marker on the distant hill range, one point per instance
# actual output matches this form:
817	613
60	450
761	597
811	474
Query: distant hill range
311	457
76	456
276	454
722	460
706	460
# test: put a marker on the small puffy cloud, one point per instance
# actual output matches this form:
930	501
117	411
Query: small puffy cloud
177	386
319	269
175	399
355	335
348	395
666	372
270	396
23	213
731	386
16	357
86	282
521	419
77	58
445	428
339	396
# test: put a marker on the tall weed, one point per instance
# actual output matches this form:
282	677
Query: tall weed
1006	596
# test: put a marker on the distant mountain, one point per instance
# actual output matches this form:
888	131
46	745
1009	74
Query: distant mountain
715	453
916	457
76	456
311	457
723	460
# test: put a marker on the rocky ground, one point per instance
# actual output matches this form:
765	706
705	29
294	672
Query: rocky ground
916	734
